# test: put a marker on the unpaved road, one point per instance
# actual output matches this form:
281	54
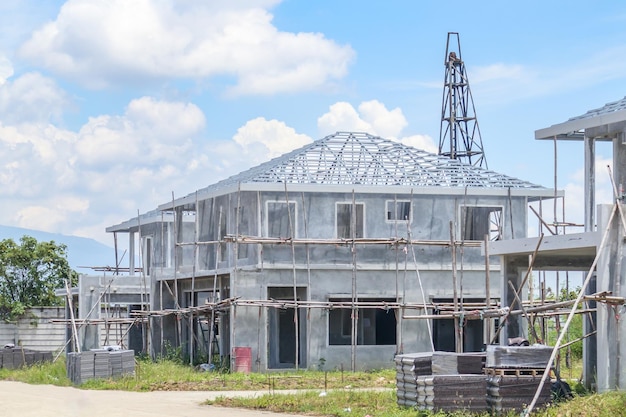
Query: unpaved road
24	400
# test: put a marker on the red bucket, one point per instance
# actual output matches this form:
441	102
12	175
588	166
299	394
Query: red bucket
243	359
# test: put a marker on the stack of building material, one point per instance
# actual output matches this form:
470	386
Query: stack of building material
450	363
513	393
514	376
79	366
452	393
122	362
408	367
517	357
99	363
17	357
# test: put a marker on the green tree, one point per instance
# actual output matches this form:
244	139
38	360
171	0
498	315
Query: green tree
29	273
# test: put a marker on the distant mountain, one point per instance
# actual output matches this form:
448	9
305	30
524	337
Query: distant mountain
81	252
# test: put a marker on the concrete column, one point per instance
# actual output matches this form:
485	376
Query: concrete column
131	253
89	288
619	162
515	325
611	352
590	183
590	353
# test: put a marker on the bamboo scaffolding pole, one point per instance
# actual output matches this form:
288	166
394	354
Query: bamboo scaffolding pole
355	310
308	276
84	322
569	344
142	257
76	345
461	276
581	293
175	294
542	221
528	271
283	304
233	289
487	289
194	266
296	321
217	255
524	312
458	337
399	348
341	241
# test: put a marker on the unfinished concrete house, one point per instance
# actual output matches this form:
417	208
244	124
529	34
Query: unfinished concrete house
597	252
328	256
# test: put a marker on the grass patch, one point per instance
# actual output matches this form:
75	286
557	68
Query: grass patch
344	403
41	373
343	395
170	376
335	403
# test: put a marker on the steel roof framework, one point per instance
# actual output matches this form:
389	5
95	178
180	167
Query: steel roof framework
352	158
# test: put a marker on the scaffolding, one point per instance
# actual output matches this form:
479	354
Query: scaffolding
346	160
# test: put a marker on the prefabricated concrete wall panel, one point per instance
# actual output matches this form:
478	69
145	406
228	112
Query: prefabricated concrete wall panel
34	330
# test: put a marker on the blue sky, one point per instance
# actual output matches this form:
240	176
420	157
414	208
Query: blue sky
107	107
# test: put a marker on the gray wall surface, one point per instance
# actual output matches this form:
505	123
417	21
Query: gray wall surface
34	330
323	272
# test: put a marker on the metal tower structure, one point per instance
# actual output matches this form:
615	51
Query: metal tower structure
459	134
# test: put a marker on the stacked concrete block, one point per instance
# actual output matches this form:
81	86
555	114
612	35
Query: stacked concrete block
514	376
122	362
450	363
518	357
80	366
408	367
452	393
17	357
99	363
513	393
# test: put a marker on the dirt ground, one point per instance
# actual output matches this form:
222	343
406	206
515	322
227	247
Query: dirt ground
23	400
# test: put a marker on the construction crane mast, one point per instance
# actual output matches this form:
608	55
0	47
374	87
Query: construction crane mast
459	134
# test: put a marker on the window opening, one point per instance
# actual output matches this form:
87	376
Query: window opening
243	230
376	326
476	222
398	210
147	255
278	218
344	220
222	234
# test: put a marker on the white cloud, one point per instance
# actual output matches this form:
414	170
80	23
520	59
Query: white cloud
500	83
276	138
57	180
342	117
6	69
423	142
387	123
103	43
152	131
372	117
31	98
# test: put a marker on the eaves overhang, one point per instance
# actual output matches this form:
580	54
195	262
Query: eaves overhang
133	225
576	128
575	251
533	194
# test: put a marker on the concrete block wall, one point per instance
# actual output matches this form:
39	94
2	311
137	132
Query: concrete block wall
34	331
